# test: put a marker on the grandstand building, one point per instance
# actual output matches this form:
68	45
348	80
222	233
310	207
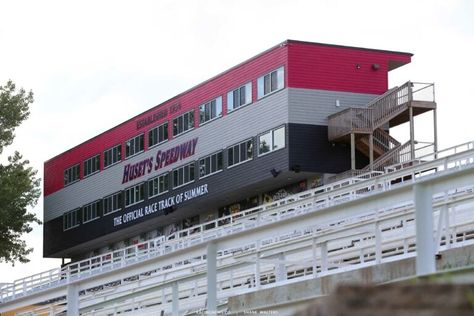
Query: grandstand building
274	125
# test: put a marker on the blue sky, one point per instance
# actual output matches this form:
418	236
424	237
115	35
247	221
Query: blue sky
94	64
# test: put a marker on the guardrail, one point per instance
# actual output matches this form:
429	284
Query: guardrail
290	207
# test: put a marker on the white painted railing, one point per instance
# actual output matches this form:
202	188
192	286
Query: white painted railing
350	242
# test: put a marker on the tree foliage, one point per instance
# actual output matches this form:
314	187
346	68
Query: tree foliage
19	187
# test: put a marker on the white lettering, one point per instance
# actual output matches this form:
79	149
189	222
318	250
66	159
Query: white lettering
161	205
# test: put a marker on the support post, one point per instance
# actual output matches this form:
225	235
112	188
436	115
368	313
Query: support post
281	268
211	278
371	151
257	271
72	300
435	133
314	258
412	134
353	156
425	260
378	243
324	256
175	303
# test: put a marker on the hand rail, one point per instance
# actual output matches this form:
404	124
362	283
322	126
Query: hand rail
311	200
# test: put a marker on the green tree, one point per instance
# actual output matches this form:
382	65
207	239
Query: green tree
19	187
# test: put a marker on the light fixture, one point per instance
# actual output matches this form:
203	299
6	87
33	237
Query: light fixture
375	66
295	168
274	172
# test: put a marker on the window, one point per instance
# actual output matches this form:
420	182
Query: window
210	164
112	155
158	135
239	97
210	110
90	211
271	141
183	123
135	194
112	203
71	219
270	83
240	153
71	174
134	146
158	185
91	165
183	175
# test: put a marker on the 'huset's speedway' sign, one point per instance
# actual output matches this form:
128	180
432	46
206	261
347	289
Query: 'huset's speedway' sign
162	159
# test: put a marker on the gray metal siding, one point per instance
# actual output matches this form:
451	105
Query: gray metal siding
234	127
314	106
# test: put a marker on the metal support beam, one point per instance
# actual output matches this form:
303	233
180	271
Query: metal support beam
378	243
314	257
353	155
371	152
211	278
175	303
435	133
281	268
324	257
72	300
412	134
425	248
257	271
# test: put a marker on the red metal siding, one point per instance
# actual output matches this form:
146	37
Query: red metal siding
218	86
327	67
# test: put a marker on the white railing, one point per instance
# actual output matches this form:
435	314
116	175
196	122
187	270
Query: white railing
421	158
352	244
290	207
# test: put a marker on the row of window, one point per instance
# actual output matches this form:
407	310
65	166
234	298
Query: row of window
209	111
211	164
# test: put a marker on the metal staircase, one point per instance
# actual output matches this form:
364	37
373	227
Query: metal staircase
366	128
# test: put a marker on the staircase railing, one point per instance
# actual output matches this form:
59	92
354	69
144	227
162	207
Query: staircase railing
398	154
353	119
384	140
367	119
391	104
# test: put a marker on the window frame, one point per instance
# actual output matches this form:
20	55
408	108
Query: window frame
239	155
84	164
97	205
174	186
248	98
272	145
149	181
78	218
142	135
182	122
280	71
111	150
78	166
218	104
125	205
210	160
157	128
120	197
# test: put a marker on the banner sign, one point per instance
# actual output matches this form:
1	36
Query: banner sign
161	205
